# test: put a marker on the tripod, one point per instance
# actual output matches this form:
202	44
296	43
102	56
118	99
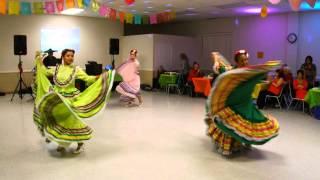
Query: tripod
20	83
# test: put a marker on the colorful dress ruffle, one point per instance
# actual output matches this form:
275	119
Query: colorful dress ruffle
232	118
129	88
60	109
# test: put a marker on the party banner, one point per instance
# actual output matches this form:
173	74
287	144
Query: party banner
38	8
129	18
104	10
113	14
172	16
60	5
14	7
145	19
70	4
80	3
86	3
153	19
122	17
137	19
3	7
95	6
25	8
49	6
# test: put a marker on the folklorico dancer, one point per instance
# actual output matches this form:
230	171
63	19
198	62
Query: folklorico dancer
234	122
60	109
129	88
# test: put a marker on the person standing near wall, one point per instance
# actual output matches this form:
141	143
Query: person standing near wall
310	71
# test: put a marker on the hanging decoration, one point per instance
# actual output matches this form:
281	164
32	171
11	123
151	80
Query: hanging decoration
137	19
3	7
122	17
60	5
49	6
113	14
16	7
80	3
86	3
104	10
38	8
153	19
145	19
95	6
311	3
264	11
274	1
129	2
26	8
70	4
129	18
295	4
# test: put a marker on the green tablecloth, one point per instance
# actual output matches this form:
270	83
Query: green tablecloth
313	97
166	79
117	78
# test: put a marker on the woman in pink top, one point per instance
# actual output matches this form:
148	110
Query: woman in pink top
274	89
300	85
129	88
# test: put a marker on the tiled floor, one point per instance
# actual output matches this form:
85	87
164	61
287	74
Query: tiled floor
163	139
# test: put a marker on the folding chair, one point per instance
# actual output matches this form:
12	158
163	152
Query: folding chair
278	97
295	99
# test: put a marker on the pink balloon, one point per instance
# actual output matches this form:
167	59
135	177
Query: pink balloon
274	1
311	3
295	4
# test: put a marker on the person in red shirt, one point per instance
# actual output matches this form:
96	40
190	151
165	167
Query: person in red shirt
194	72
274	89
300	85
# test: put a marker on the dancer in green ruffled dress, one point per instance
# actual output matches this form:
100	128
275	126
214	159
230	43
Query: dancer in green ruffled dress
60	109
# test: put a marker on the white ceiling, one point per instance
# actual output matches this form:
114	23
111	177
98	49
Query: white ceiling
189	9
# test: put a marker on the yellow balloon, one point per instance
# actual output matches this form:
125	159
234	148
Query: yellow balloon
264	11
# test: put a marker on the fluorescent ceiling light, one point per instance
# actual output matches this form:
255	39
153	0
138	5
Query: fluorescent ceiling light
72	11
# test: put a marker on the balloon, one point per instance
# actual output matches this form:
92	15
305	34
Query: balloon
264	11
274	1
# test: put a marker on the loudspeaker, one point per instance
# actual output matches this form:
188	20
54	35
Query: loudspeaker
20	44
114	46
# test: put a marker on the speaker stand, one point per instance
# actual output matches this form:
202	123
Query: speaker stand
21	83
112	61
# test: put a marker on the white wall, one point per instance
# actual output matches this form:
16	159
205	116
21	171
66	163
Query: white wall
94	37
167	50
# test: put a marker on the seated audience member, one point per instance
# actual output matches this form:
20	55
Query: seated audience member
310	71
300	85
194	72
287	73
274	89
